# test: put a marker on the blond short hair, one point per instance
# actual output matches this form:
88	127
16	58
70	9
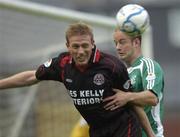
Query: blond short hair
130	36
78	28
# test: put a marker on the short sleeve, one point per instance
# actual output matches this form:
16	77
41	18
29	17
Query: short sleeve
153	78
121	77
50	70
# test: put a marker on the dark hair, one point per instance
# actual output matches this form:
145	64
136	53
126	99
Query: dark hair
79	28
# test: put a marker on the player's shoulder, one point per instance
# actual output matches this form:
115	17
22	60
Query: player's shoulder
110	57
150	63
112	60
63	55
64	58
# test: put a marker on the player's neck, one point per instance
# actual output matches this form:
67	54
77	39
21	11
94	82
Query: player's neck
82	68
132	59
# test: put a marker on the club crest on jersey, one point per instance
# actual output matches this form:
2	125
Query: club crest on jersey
48	63
98	79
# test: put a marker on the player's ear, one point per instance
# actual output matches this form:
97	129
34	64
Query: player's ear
136	42
67	44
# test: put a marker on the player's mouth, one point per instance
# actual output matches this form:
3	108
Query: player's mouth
80	59
121	54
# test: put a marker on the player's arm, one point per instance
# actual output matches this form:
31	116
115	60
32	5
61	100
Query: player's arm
143	98
136	98
152	79
25	78
144	121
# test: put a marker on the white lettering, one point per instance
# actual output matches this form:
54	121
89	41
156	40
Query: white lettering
73	93
91	100
83	101
101	92
86	97
91	93
86	101
82	93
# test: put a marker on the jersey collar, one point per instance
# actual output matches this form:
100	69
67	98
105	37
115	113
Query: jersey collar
95	57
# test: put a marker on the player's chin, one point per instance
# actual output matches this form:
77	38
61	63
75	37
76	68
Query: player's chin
82	63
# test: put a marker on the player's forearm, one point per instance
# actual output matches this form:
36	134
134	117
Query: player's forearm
144	121
142	98
19	80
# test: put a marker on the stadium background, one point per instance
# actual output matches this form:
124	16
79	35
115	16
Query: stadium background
27	39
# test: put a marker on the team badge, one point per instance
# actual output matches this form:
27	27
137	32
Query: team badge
98	79
151	76
48	63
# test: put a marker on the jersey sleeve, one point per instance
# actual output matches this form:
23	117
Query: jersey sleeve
50	70
121	77
153	77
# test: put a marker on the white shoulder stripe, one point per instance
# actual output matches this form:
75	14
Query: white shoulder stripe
149	64
151	75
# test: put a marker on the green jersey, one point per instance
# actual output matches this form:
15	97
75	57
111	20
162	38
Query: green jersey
146	74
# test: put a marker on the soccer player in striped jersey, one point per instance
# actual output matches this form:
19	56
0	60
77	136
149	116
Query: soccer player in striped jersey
147	79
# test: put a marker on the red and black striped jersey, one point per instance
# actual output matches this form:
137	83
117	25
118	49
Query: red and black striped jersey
87	89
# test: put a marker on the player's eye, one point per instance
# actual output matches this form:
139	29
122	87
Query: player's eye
122	42
75	46
85	46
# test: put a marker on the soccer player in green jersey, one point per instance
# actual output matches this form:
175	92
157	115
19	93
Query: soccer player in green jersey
147	81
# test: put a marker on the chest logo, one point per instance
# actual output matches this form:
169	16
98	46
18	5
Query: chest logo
98	79
150	76
69	80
